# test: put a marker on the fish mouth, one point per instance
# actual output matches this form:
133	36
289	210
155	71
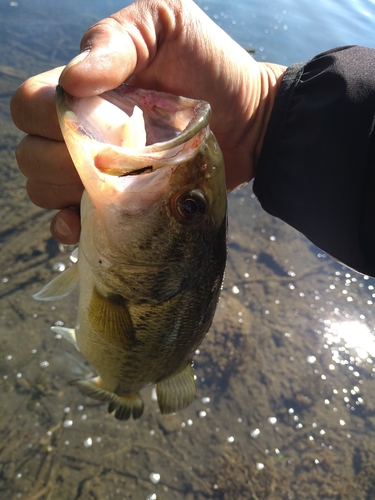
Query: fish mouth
127	143
169	120
134	131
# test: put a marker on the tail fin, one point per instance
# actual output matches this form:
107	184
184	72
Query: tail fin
124	406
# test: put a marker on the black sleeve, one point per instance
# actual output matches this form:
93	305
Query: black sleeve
316	170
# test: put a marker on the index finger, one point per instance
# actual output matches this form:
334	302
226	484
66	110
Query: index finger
33	105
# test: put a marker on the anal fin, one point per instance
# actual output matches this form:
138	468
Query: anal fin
91	387
124	406
177	391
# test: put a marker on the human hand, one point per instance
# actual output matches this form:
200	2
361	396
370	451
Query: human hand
161	45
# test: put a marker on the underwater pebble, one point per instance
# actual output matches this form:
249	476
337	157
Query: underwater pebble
87	442
154	477
255	433
59	266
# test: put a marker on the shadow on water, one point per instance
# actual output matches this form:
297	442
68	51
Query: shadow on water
286	397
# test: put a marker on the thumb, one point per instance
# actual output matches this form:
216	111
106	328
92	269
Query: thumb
111	51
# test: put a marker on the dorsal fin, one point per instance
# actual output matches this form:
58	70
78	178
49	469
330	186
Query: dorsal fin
177	391
110	318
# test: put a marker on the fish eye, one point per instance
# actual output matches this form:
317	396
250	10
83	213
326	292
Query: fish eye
192	205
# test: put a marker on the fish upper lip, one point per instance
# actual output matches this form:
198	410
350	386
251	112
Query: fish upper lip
150	101
199	116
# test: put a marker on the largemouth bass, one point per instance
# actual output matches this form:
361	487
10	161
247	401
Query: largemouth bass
152	250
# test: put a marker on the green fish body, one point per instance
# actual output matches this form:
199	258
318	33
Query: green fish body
152	250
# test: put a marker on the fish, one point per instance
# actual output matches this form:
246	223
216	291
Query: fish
152	251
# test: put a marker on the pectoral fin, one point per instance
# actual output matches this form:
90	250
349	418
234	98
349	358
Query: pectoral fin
111	319
124	406
61	286
176	392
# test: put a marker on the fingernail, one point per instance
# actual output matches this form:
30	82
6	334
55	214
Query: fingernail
76	60
62	228
80	57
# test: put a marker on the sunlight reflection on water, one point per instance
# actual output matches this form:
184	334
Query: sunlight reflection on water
352	334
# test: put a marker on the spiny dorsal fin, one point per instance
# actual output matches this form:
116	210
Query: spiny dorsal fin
111	319
61	286
124	406
177	391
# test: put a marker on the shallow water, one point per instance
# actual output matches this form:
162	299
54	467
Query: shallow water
286	396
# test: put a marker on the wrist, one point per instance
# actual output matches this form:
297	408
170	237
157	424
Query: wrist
270	76
257	89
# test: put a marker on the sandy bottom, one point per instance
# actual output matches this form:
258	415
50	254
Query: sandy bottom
285	406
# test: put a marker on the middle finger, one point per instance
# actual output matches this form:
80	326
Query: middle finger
45	160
